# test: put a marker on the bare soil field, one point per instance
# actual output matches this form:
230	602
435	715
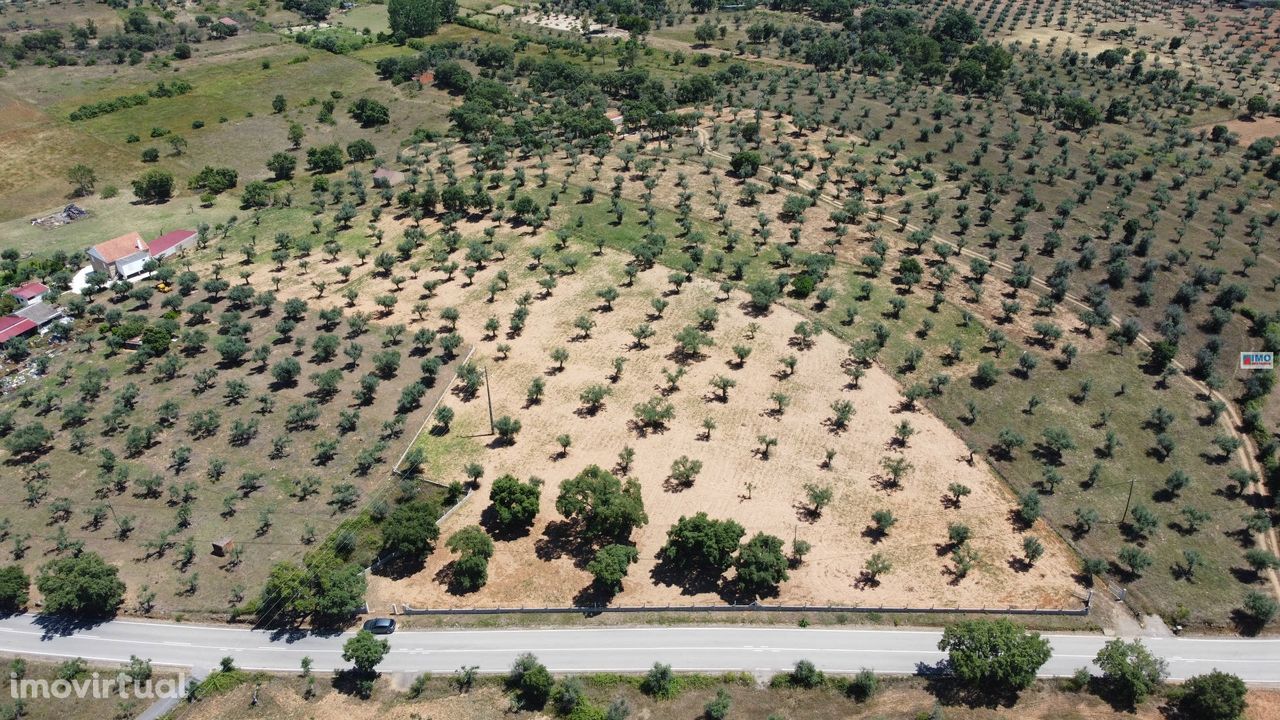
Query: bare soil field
547	566
1255	129
572	23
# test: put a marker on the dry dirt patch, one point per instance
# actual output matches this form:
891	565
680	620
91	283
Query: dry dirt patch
542	569
1251	130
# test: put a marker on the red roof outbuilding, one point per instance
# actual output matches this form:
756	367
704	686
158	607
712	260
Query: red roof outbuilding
12	326
29	291
168	240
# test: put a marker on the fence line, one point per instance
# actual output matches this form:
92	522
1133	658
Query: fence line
395	469
404	609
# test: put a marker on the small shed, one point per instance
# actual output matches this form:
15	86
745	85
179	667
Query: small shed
30	293
222	546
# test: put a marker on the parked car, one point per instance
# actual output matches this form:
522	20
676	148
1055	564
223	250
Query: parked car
380	626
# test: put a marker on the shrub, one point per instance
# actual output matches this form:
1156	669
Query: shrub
864	685
806	675
153	186
530	682
660	682
369	113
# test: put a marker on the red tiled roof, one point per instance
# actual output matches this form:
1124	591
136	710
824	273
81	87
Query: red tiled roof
26	291
121	247
12	326
169	239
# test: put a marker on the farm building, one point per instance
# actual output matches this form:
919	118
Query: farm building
228	22
12	326
171	243
42	315
30	293
121	257
382	177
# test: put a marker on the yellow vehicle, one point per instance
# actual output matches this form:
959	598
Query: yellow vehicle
163	287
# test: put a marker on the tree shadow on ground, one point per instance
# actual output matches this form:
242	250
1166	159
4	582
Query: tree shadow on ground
595	595
449	577
1245	623
563	538
62	625
734	593
950	690
397	567
498	531
690	580
353	682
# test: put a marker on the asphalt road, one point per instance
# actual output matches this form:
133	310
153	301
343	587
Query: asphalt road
759	650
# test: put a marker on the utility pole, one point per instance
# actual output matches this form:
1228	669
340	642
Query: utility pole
489	397
1125	515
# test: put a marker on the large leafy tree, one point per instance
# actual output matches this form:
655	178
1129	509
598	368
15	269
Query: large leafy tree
410	531
1213	696
326	589
287	595
86	586
154	186
31	439
982	69
474	548
1129	671
608	508
310	9
338	589
761	566
515	504
702	546
365	651
416	18
369	112
14	589
610	565
993	657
